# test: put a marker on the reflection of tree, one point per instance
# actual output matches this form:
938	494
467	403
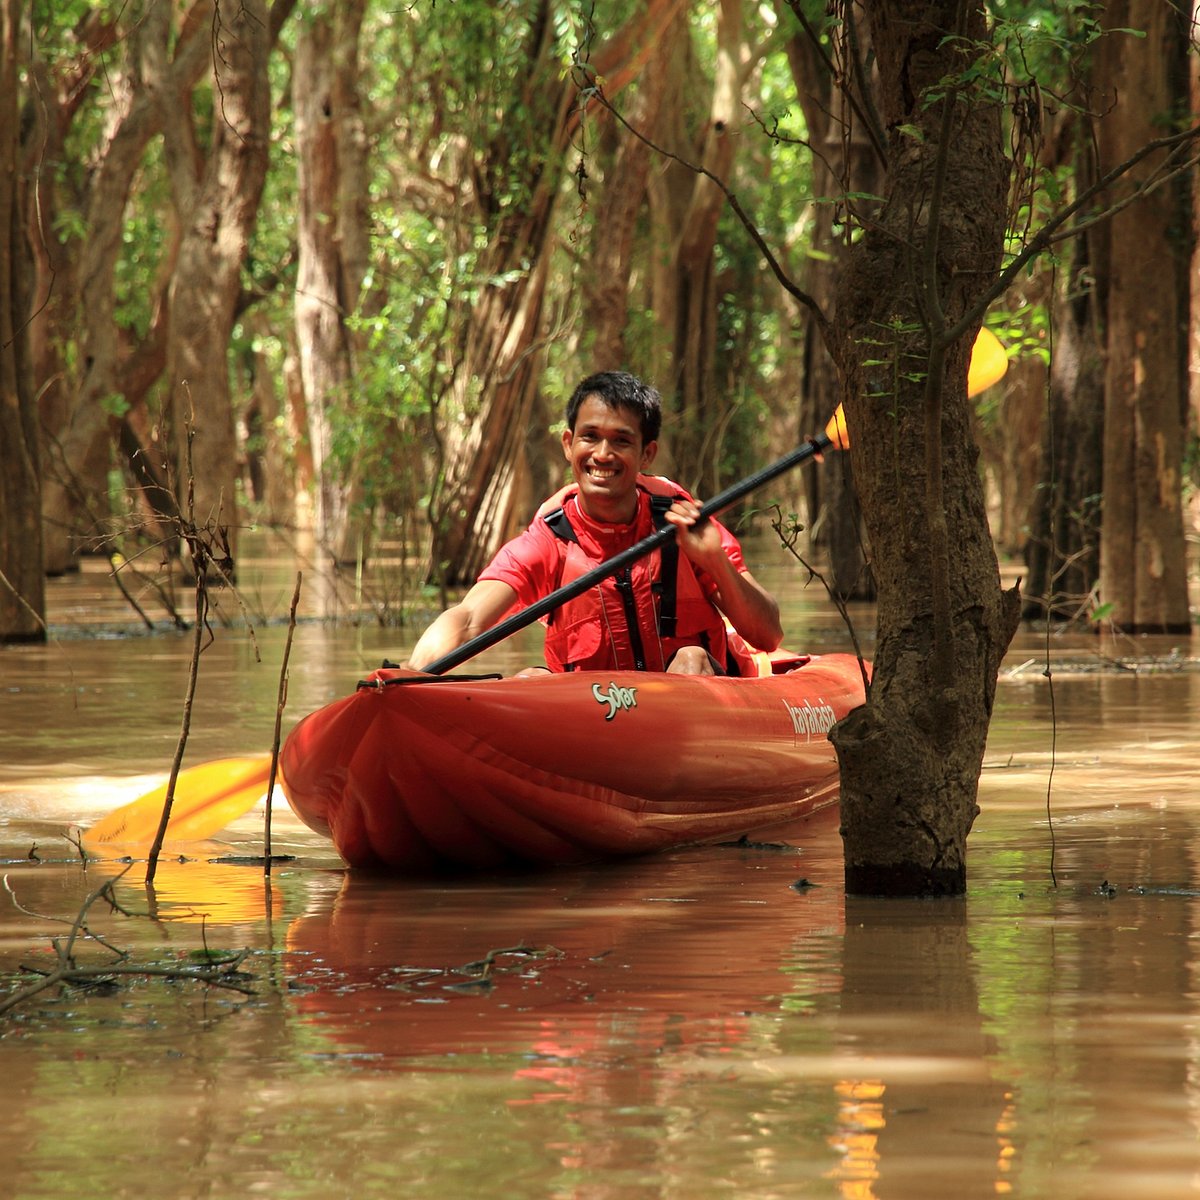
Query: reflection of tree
916	1101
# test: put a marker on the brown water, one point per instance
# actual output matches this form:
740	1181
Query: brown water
713	1022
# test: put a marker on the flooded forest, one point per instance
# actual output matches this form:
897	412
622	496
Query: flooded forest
294	297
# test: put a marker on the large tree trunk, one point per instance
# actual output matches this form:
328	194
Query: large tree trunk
911	757
1143	572
22	594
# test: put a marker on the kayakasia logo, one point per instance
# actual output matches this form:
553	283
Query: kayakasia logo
618	699
809	719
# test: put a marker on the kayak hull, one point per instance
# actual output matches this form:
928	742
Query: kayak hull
418	773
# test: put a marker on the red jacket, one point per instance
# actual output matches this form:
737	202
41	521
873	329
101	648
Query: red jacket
617	625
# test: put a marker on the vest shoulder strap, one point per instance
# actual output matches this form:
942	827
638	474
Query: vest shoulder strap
560	525
669	576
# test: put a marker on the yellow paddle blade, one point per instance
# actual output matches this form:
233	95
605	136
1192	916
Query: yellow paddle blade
836	432
207	798
989	361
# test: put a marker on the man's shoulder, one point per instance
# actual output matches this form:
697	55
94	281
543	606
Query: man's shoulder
660	485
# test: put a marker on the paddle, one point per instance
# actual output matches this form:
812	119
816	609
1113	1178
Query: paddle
989	361
209	796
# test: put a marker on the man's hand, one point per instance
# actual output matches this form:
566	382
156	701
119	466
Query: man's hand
699	539
751	609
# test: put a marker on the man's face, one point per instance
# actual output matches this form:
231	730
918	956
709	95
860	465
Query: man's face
606	452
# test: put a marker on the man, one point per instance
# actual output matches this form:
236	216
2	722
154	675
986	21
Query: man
666	612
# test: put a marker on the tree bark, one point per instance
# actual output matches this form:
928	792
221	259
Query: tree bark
846	163
1143	571
331	228
621	202
911	757
1063	552
220	209
22	589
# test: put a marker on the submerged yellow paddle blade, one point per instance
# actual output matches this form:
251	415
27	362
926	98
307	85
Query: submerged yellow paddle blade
835	431
989	361
207	798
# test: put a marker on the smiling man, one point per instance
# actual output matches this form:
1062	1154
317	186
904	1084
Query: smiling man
671	610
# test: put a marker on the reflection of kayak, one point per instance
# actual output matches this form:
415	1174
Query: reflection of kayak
637	958
415	772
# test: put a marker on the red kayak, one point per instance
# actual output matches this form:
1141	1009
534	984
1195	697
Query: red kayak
416	773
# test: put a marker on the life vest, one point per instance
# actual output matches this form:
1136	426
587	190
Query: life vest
638	618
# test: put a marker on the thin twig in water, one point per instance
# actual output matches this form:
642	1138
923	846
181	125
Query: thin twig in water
283	685
219	972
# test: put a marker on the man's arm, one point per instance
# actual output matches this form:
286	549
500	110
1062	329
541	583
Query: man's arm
751	609
480	609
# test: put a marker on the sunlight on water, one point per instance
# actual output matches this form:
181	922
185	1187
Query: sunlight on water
710	1022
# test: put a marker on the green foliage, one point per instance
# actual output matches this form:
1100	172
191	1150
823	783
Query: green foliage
145	239
114	404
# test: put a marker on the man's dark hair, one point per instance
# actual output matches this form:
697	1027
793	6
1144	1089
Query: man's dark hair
619	389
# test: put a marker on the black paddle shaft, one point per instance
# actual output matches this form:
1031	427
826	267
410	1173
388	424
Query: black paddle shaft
539	608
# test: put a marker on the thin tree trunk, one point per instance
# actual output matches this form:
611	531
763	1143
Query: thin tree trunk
1064	543
219	217
321	346
606	287
847	164
1143	571
1192	513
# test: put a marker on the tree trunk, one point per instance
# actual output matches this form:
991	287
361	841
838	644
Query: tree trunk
911	757
684	209
621	202
1192	510
218	211
331	256
1064	543
1011	424
1143	571
22	589
848	165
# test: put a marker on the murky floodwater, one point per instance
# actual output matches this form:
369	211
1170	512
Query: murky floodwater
710	1022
